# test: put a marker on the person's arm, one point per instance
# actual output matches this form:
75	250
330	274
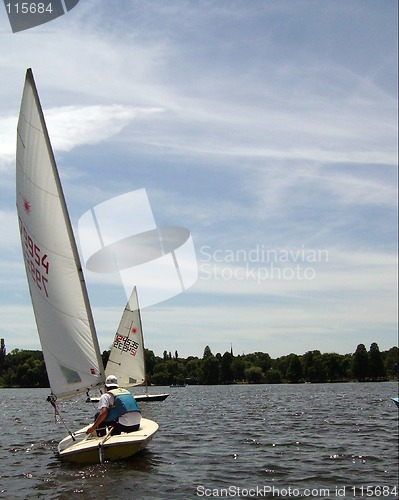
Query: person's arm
101	416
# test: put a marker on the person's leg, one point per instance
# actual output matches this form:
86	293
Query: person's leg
103	428
118	428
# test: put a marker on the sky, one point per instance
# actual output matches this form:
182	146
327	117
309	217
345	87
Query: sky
268	129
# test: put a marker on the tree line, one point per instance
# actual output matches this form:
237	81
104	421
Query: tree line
26	368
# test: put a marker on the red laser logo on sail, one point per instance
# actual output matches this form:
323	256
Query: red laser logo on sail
26	206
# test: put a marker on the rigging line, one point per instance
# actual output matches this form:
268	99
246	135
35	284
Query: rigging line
53	401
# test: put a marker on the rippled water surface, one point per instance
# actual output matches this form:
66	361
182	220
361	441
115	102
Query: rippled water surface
318	441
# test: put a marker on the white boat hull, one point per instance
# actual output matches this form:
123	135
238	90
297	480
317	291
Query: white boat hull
92	449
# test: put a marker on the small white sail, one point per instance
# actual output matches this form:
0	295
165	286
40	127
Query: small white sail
56	283
126	360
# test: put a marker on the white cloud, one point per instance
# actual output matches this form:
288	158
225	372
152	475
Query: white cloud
73	126
8	140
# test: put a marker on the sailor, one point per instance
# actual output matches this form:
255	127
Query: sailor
117	408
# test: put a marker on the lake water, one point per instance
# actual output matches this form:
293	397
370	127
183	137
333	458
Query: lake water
239	441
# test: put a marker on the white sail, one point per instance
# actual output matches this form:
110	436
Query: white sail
126	360
56	283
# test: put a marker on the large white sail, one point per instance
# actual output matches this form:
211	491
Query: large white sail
56	283
126	360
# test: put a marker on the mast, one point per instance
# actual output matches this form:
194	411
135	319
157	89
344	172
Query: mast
142	341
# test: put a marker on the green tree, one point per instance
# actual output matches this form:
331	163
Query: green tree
210	370
310	368
254	374
22	368
238	367
282	363
260	359
150	361
316	367
264	361
193	370
160	375
332	366
174	374
2	355
25	369
294	372
360	363
391	362
226	371
346	366
207	352
273	376
376	363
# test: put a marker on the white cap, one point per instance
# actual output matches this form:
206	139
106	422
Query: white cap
111	380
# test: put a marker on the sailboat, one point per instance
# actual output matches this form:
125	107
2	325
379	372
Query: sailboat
56	283
126	360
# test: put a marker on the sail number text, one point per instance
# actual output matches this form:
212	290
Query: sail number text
37	263
126	345
29	8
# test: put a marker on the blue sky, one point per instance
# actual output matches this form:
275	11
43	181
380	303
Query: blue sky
267	128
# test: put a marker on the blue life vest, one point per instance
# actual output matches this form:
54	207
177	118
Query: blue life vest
124	402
